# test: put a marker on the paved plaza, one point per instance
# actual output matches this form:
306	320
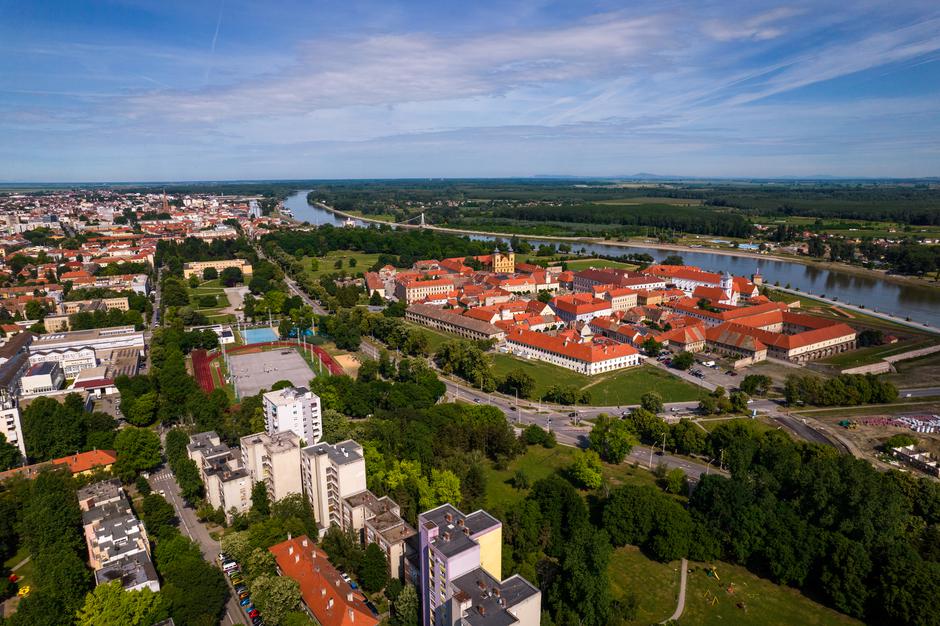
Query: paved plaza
260	370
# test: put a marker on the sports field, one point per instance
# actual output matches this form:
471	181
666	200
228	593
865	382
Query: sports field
255	371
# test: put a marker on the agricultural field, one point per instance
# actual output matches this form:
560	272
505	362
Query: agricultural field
621	387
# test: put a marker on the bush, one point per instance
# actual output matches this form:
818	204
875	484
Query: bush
210	273
535	435
682	361
208	301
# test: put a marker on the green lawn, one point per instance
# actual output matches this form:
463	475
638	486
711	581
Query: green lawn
583	264
326	264
655	585
613	388
538	463
873	354
754	601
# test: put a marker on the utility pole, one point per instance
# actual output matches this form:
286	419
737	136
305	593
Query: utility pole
664	444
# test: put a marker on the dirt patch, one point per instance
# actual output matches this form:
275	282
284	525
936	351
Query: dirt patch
349	362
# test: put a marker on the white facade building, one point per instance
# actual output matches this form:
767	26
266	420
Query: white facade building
295	409
331	473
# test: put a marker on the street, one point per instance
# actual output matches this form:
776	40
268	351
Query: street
163	480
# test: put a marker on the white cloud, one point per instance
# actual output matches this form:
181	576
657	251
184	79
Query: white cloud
761	27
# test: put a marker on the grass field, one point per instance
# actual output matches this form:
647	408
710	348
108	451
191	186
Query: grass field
582	264
326	264
873	354
754	601
921	372
655	585
613	388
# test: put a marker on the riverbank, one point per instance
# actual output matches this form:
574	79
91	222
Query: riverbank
656	245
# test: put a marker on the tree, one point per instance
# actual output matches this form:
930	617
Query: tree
586	470
612	438
259	499
275	597
373	572
682	361
652	402
53	430
652	347
376	299
230	276
10	456
756	384
157	514
533	435
138	449
673	259
406	607
675	481
899	440
519	382
110	605
210	273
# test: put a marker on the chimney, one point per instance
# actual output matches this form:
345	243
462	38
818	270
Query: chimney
290	549
329	605
322	591
349	596
304	542
460	522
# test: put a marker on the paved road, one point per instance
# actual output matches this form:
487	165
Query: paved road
319	310
680	607
165	481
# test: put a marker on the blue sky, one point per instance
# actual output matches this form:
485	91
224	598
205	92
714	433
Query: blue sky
112	90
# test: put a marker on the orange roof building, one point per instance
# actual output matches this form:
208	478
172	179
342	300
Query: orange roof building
86	462
330	599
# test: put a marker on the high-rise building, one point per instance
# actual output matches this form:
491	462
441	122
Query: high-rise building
295	409
331	473
228	484
460	572
275	461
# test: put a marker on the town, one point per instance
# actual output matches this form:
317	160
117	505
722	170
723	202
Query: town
249	418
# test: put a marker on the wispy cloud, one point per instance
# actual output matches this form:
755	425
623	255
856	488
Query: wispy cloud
215	38
757	28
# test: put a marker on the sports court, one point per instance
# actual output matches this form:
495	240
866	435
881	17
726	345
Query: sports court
260	370
259	335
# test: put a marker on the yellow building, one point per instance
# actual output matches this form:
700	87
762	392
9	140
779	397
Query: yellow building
196	267
504	262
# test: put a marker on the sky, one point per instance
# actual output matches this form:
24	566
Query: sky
161	90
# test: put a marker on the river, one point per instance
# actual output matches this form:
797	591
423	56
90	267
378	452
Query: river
920	303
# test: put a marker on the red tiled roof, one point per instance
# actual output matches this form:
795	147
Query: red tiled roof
589	352
84	461
331	600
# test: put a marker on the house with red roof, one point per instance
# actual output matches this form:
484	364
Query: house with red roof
329	599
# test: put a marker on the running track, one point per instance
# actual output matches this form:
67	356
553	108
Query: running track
202	361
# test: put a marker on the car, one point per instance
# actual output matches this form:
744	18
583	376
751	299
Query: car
240	588
512	408
236	576
242	595
253	613
257	621
346	577
573	414
731	373
477	400
223	557
245	601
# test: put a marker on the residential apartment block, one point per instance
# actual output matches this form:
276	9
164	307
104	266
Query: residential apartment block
275	461
378	520
294	409
331	473
118	547
228	484
460	571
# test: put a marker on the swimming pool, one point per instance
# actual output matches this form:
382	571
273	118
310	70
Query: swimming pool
259	335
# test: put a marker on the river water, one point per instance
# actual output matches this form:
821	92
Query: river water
920	303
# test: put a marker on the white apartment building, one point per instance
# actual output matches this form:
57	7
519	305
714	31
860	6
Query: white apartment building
331	473
11	428
295	409
228	484
275	461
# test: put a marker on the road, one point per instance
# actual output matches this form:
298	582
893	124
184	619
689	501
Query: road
165	481
319	310
680	606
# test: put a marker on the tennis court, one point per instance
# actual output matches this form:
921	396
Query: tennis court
259	335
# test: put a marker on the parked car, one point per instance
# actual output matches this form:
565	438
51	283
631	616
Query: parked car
254	613
245	601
